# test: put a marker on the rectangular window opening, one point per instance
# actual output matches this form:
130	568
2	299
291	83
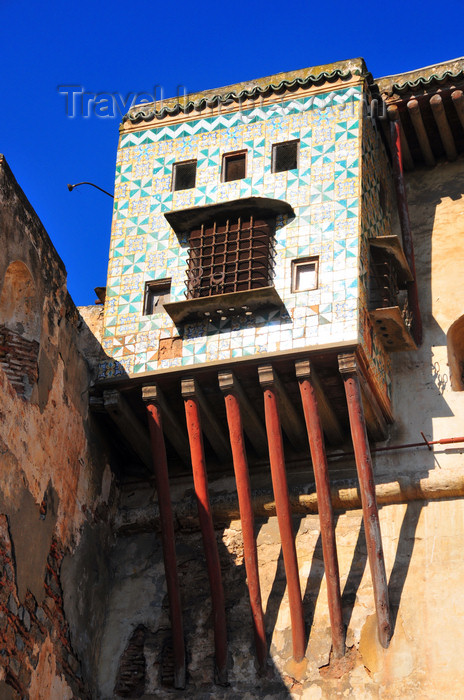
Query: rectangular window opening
184	175
285	156
305	274
243	259
233	166
157	293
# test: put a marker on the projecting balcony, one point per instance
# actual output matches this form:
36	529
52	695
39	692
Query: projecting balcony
248	301
388	304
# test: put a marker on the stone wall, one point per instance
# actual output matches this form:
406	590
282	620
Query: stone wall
422	520
55	480
425	572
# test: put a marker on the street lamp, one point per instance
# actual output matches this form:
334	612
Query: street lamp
71	187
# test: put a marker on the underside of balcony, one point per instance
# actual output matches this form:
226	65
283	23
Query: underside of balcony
121	410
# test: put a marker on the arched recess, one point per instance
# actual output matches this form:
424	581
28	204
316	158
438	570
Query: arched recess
20	326
455	342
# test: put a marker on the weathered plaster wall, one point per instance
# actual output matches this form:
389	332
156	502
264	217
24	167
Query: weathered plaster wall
422	546
423	399
53	475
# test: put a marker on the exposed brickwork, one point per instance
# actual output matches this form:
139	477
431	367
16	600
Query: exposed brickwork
169	348
18	359
25	627
131	678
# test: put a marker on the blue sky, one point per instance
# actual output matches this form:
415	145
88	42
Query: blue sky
126	48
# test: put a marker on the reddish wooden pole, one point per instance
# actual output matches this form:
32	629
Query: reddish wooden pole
324	502
284	515
242	477
167	535
200	479
405	223
348	368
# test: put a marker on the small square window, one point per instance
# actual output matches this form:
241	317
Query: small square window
233	166
156	295
184	175
284	156
305	274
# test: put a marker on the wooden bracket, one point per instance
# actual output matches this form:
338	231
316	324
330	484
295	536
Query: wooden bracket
291	422
252	424
212	427
174	430
349	365
305	370
96	404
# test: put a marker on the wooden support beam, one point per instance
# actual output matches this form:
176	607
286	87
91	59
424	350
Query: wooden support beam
458	100
419	128
292	424
242	477
441	120
212	427
252	424
349	374
284	515
394	116
376	423
309	399
128	424
160	467
330	422
200	481
173	429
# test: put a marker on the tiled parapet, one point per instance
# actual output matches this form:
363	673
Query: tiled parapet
324	192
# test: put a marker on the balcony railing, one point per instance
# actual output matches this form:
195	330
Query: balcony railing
388	298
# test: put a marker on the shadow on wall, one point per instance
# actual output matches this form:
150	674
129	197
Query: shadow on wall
137	657
137	660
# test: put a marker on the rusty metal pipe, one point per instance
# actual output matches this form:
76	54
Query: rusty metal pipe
284	518
326	517
369	506
168	541
408	245
406	446
200	479
394	115
242	479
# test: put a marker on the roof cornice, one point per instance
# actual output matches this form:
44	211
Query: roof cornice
422	77
278	83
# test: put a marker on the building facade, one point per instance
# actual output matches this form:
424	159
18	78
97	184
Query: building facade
273	454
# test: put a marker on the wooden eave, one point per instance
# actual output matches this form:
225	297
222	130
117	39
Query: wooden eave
126	413
429	103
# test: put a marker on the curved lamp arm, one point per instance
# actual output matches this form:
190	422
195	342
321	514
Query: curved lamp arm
71	187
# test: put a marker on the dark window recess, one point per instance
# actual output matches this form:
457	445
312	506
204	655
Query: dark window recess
233	166
184	175
284	156
156	295
230	255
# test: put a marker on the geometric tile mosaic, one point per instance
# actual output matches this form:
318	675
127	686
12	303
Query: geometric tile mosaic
324	192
